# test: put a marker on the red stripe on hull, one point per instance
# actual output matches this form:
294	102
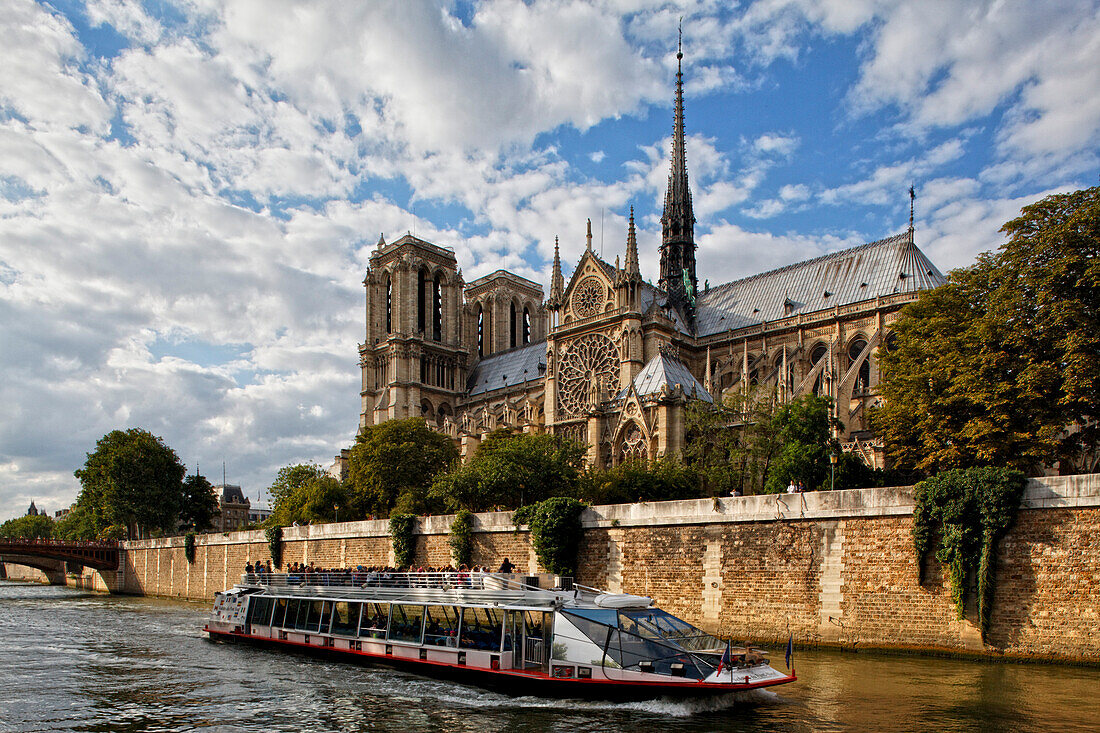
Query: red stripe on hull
514	681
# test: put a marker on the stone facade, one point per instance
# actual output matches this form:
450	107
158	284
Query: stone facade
612	360
831	568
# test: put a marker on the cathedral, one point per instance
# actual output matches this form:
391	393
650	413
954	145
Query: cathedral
612	360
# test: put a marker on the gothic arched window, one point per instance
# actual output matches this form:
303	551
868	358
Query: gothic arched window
421	295
480	331
437	307
512	325
863	379
389	304
526	325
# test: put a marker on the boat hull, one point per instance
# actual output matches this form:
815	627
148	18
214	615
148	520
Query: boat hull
507	681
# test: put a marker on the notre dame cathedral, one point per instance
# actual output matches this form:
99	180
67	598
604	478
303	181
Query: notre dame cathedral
612	360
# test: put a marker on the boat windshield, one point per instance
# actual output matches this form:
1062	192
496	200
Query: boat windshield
649	639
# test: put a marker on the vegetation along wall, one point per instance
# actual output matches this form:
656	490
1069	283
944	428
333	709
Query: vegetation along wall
832	568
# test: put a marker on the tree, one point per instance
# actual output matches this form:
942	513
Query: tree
313	501
293	477
394	458
198	505
665	479
511	470
756	443
30	527
78	524
1001	365
132	479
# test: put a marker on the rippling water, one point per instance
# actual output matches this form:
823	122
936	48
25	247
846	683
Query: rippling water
87	662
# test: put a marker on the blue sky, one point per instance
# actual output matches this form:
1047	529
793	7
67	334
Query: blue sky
189	192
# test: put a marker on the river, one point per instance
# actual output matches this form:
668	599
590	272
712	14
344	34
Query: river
76	661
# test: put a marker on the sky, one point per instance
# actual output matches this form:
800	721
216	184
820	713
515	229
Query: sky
190	191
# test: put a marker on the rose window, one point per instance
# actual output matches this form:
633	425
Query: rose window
589	363
633	446
588	297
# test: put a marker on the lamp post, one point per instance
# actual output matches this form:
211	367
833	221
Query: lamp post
337	507
832	469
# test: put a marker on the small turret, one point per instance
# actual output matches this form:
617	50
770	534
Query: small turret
557	282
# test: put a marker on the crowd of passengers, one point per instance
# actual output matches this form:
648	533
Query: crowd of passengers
378	576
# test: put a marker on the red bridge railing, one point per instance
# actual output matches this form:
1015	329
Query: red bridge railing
101	555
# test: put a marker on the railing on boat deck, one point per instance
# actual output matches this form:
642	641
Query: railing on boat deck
358	583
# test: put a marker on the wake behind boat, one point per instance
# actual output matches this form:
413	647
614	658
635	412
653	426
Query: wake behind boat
494	630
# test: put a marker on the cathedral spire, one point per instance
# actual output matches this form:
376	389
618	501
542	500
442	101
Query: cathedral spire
557	282
588	237
632	267
678	221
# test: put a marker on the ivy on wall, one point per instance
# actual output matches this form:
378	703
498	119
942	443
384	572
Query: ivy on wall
275	544
189	547
462	538
555	532
969	511
401	530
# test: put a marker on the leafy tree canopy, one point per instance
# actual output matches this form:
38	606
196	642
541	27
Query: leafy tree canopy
394	458
291	478
1001	365
199	504
758	444
28	528
511	470
318	499
666	479
132	479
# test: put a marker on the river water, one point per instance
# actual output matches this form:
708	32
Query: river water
78	661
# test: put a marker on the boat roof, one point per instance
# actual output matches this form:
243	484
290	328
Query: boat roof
446	588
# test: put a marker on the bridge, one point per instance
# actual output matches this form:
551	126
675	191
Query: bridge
50	556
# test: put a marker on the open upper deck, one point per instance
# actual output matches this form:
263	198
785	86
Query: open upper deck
454	588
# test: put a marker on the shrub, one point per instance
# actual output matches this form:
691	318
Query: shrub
462	538
970	510
401	530
189	547
555	532
274	536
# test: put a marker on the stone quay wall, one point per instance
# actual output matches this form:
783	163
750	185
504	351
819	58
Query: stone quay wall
831	568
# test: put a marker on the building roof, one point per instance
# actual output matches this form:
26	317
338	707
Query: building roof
232	494
663	370
888	266
508	368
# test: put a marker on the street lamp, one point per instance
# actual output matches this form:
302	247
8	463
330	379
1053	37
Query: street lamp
832	469
337	507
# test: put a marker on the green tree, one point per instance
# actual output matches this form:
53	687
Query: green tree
78	524
293	477
28	527
1001	365
803	430
666	479
134	480
198	505
394	458
316	500
511	470
758	444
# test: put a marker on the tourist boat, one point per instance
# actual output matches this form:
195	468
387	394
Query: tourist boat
506	632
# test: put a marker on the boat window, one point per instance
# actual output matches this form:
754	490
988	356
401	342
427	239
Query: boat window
375	620
259	610
606	616
280	612
302	620
345	618
653	623
441	625
313	616
575	641
291	613
406	623
326	617
481	629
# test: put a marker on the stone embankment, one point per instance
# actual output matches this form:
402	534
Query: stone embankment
831	568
